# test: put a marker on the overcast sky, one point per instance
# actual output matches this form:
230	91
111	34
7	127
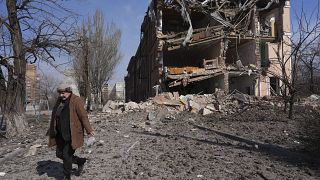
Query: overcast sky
128	15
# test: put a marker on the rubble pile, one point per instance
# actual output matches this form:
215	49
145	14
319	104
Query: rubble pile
115	107
199	104
167	137
310	103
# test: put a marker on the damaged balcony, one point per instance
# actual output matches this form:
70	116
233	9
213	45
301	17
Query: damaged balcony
198	46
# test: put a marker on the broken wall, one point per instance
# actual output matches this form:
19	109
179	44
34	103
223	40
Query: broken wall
244	84
245	52
143	69
262	86
191	56
275	50
207	86
270	23
168	41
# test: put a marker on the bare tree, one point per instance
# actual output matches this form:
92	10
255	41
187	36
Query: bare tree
97	56
310	56
81	65
288	61
309	66
31	30
48	87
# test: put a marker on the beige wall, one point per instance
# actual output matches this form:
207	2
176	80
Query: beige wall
284	48
32	88
275	62
287	36
286	18
263	86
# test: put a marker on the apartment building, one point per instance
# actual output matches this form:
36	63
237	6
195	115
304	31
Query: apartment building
199	46
32	85
115	91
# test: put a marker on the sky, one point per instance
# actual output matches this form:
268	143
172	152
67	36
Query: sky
310	7
128	15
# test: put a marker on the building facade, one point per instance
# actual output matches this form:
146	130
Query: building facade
32	86
116	91
199	46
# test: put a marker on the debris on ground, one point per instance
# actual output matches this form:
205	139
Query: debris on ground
199	104
233	136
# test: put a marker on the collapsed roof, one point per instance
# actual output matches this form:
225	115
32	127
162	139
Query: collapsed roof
204	45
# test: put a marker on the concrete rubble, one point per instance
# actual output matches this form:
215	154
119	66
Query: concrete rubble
219	136
311	103
206	104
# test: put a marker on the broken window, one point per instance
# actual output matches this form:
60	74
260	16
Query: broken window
274	86
243	83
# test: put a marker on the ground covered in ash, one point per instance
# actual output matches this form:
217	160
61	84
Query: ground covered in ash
258	142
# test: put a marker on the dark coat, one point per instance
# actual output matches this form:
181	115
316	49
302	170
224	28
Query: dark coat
78	122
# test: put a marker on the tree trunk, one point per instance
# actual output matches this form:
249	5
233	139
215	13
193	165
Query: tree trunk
285	99
47	99
86	75
291	102
2	90
311	87
292	90
16	124
102	99
285	106
16	87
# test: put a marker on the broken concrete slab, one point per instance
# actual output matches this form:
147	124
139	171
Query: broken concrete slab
195	107
314	97
32	150
151	116
206	111
162	100
171	97
244	98
106	109
146	105
117	111
176	96
112	105
211	107
131	106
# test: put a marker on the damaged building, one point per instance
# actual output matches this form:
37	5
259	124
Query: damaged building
200	46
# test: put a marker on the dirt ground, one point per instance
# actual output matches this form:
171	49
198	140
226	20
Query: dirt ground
257	143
